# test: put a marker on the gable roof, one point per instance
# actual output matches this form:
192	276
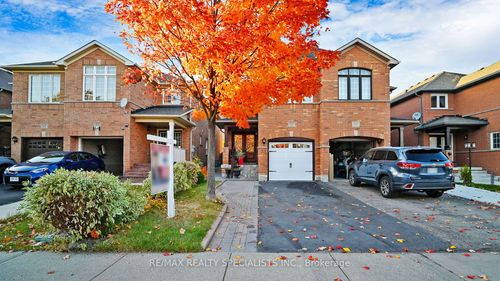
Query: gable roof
69	58
391	60
439	82
482	73
5	80
452	120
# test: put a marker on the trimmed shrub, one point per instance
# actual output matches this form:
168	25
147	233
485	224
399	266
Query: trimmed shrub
185	174
83	203
466	175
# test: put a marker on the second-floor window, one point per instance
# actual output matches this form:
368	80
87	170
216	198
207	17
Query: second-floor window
44	88
495	140
439	101
174	98
99	83
355	84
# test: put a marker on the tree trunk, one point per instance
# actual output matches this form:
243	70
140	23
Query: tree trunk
211	161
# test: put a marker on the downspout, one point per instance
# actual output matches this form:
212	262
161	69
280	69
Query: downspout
420	134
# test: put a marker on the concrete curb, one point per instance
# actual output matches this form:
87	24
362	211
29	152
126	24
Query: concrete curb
210	234
9	210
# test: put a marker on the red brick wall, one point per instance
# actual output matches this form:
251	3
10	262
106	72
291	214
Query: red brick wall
328	117
476	99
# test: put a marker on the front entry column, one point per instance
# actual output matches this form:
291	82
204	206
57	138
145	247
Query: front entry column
402	136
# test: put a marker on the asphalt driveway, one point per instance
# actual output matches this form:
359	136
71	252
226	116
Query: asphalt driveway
9	194
295	216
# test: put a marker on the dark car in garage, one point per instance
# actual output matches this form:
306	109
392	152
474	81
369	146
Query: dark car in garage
48	162
398	169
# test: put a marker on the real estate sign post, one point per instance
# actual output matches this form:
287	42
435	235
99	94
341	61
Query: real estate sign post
162	169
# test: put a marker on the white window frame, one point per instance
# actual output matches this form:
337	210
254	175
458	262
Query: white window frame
437	101
94	75
175	98
305	100
30	94
491	140
176	131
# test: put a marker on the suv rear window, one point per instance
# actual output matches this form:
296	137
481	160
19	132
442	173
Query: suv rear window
426	155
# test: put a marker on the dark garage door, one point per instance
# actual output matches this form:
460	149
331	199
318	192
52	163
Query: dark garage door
109	149
35	146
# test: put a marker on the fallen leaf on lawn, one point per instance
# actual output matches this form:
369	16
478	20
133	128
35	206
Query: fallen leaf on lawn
314	236
430	251
66	257
7	239
472	251
94	234
166	254
51	272
157	227
492	238
340	239
396	210
471	276
346	250
466	255
322	248
406	250
393	256
337	279
189	256
290	231
182	231
397	234
295	239
366	267
430	218
373	250
400	240
281	258
453	247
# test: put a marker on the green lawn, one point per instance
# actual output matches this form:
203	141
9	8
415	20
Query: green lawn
153	231
490	187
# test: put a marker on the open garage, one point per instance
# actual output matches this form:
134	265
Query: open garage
346	150
110	150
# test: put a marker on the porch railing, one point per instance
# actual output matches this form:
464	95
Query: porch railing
179	154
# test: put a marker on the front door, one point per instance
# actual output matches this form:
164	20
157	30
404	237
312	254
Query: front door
246	143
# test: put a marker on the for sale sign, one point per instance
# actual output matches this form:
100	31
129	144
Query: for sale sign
160	167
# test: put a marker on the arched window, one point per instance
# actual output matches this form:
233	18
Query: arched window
355	84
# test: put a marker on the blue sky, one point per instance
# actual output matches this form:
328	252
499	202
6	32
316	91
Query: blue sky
427	36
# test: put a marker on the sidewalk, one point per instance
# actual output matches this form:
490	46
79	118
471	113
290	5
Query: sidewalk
247	266
237	231
9	210
475	194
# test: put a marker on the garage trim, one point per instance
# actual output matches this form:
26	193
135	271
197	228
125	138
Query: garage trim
294	139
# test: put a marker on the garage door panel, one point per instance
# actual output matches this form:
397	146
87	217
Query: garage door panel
35	146
290	161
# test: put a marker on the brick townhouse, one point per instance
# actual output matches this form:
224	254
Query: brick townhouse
5	111
455	109
80	102
309	141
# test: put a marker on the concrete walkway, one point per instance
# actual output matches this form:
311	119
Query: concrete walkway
248	266
476	194
237	231
9	210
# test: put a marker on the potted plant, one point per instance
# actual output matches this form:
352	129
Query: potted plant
240	155
237	171
227	168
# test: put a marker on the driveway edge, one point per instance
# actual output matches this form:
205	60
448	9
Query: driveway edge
210	234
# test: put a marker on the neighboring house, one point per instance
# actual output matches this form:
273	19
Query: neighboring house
80	102
455	109
200	142
311	140
5	111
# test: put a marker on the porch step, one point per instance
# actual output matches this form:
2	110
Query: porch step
479	175
138	173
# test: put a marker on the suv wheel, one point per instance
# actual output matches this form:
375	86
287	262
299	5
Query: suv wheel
435	193
385	186
352	178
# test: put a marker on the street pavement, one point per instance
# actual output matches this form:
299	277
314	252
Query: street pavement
10	194
248	266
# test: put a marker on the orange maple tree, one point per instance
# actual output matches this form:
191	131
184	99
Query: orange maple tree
233	57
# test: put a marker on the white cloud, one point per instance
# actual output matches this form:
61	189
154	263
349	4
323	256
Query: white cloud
428	36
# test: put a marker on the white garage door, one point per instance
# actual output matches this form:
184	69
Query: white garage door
291	161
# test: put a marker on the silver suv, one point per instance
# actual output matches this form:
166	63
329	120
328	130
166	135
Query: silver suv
397	169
